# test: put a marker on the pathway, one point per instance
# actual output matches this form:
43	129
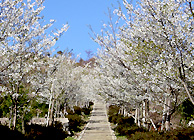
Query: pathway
98	127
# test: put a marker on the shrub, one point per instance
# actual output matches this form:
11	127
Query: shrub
128	129
115	119
91	104
179	134
39	132
86	110
125	125
186	110
7	134
76	118
75	121
113	115
113	110
126	121
144	136
77	110
69	111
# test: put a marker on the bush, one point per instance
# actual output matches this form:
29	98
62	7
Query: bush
127	129
113	110
86	110
113	115
77	110
186	110
39	132
179	134
75	121
7	134
125	121
76	118
125	125
91	104
34	132
116	118
69	111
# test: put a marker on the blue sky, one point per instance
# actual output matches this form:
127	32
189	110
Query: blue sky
78	14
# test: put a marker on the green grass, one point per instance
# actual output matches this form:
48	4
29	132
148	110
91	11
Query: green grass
70	138
121	137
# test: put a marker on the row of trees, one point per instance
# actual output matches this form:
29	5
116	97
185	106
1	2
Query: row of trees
28	70
147	55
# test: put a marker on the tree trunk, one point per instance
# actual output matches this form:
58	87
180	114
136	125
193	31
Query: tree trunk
138	118
49	110
147	112
136	115
10	117
153	125
143	113
185	86
122	110
125	112
57	109
145	107
168	116
23	127
52	114
50	103
164	114
65	111
15	116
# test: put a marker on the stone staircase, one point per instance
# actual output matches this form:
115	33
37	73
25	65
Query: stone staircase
98	127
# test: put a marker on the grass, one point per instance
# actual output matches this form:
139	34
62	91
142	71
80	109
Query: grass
70	138
121	137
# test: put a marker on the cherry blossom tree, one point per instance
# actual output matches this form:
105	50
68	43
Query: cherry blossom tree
64	84
150	54
23	43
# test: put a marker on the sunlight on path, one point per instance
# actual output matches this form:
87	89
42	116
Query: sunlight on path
98	127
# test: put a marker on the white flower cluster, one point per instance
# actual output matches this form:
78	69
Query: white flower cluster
151	56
